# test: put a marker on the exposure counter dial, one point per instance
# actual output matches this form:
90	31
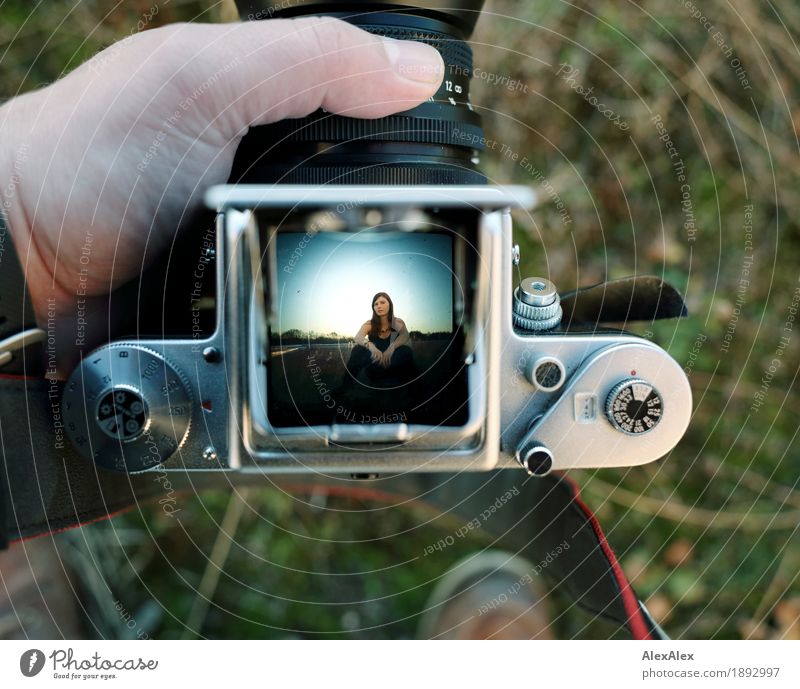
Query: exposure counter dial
634	406
127	408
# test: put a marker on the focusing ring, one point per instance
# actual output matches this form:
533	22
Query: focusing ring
455	53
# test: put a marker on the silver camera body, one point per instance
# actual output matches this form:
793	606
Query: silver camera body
534	395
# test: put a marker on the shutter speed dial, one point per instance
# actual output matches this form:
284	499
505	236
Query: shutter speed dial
634	406
126	408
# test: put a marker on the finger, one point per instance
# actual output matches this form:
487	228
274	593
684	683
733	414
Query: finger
290	68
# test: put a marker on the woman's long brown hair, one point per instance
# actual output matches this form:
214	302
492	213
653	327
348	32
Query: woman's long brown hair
375	323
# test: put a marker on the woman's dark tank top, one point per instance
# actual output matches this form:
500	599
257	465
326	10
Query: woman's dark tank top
381	343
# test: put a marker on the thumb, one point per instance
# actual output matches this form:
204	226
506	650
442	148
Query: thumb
281	68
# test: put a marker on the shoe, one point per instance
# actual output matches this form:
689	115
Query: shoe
491	595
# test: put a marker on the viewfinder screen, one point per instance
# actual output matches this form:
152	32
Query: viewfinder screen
365	331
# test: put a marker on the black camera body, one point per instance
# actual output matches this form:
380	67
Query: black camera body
356	311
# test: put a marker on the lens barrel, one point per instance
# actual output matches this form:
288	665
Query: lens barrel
435	143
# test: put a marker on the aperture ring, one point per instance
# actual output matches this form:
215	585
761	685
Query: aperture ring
402	175
323	127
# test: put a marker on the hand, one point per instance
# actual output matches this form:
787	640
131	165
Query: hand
386	357
376	355
104	164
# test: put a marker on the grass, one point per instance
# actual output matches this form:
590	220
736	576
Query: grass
709	533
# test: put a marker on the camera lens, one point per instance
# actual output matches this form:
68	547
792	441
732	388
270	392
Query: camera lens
435	143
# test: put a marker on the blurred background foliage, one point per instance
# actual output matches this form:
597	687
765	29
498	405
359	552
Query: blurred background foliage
708	534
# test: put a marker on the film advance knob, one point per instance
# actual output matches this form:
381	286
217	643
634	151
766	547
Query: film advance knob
634	406
536	305
126	408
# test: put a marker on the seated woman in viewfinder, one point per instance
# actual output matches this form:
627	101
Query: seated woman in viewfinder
382	346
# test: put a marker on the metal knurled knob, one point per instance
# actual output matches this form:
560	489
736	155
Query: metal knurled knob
537	306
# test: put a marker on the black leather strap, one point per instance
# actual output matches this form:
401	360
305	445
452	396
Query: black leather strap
21	342
3	500
16	315
16	312
48	486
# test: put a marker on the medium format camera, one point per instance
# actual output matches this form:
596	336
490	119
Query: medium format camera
357	309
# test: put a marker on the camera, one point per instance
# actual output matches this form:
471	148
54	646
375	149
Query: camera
357	309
